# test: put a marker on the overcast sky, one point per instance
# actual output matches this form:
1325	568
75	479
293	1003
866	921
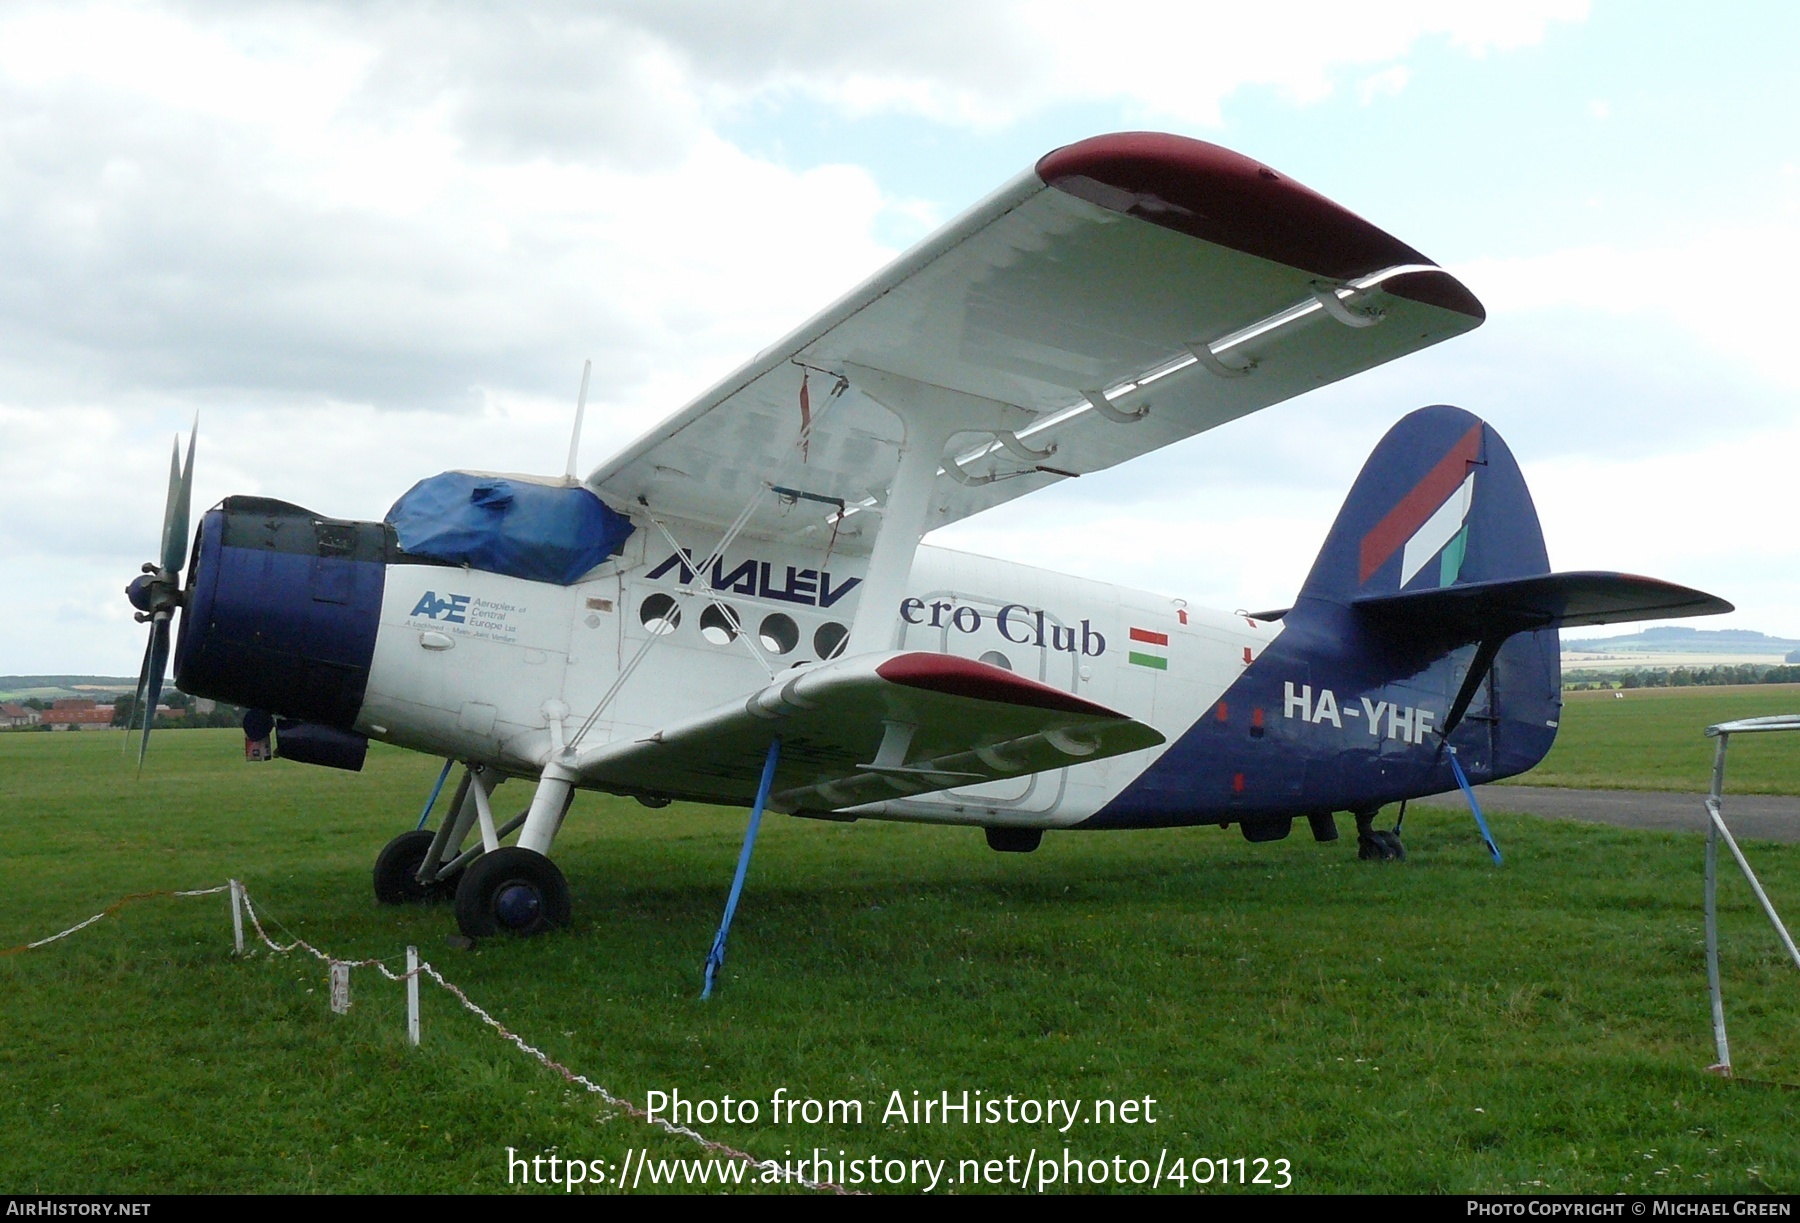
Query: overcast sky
369	242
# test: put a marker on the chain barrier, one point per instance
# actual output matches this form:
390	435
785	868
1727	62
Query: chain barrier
425	969
108	911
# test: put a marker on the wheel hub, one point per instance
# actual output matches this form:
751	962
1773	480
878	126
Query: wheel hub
517	905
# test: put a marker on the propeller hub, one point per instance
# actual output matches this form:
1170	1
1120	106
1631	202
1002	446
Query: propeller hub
155	592
139	592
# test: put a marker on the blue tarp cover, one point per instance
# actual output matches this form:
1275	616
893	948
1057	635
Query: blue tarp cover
544	532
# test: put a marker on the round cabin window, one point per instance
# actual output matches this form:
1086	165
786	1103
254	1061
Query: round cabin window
659	614
719	624
778	633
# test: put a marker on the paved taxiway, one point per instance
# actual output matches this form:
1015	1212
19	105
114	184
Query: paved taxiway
1754	817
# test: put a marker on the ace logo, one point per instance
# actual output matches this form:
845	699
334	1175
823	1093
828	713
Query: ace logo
452	610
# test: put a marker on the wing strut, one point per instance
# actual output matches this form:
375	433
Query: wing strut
932	415
699	573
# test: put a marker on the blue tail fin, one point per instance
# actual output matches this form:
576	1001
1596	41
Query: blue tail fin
1439	541
1441	502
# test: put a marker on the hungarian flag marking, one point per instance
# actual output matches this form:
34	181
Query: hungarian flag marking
1149	640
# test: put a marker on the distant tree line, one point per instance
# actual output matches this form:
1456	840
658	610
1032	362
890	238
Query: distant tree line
1682	677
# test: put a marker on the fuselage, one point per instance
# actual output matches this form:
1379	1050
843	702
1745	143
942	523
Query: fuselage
466	664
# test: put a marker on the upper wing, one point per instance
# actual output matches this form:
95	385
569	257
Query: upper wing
863	729
1122	273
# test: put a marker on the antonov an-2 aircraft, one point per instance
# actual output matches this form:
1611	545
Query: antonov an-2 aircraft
738	609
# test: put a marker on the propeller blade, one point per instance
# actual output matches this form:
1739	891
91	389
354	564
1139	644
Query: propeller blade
154	664
137	705
173	496
181	493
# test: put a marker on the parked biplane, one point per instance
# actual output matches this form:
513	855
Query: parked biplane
738	608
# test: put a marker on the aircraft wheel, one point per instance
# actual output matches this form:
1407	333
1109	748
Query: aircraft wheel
511	891
1380	845
397	870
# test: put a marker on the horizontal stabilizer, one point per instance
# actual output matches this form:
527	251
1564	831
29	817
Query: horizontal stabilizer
1489	611
867	729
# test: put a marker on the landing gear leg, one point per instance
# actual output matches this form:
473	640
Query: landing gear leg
516	889
445	862
1375	844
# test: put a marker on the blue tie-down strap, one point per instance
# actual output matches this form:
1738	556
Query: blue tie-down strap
1480	822
715	958
435	791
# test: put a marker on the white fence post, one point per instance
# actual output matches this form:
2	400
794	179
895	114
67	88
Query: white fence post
412	995
340	988
237	916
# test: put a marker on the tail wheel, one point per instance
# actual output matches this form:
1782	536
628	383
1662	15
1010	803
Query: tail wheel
1380	845
397	870
511	891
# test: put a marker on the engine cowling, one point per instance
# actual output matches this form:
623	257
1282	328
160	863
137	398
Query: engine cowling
282	608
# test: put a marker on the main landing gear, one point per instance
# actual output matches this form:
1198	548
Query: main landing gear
397	871
512	889
1378	844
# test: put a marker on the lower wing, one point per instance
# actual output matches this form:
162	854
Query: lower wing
868	728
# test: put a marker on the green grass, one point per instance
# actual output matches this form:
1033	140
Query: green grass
1441	1025
1654	739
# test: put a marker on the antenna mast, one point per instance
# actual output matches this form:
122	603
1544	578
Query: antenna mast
580	410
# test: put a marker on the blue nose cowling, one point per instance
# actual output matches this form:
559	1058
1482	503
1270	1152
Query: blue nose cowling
284	611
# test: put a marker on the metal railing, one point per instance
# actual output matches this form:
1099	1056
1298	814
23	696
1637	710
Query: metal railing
1715	832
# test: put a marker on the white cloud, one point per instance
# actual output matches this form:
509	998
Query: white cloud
1730	289
1713	516
992	63
371	242
1386	83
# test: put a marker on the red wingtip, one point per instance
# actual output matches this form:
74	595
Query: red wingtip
1226	198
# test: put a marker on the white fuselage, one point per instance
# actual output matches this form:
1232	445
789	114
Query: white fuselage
472	665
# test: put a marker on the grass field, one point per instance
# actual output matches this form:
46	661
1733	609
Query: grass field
1441	1025
1653	739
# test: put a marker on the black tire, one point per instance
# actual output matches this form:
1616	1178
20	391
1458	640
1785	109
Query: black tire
1380	845
397	870
511	891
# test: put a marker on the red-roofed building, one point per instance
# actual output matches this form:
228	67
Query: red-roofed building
78	714
18	715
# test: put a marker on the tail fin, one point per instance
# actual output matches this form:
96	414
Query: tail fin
1438	546
1439	539
1441	502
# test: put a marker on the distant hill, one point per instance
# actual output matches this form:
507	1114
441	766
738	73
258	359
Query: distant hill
61	687
1677	640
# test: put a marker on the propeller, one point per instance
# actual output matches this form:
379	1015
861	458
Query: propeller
156	592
